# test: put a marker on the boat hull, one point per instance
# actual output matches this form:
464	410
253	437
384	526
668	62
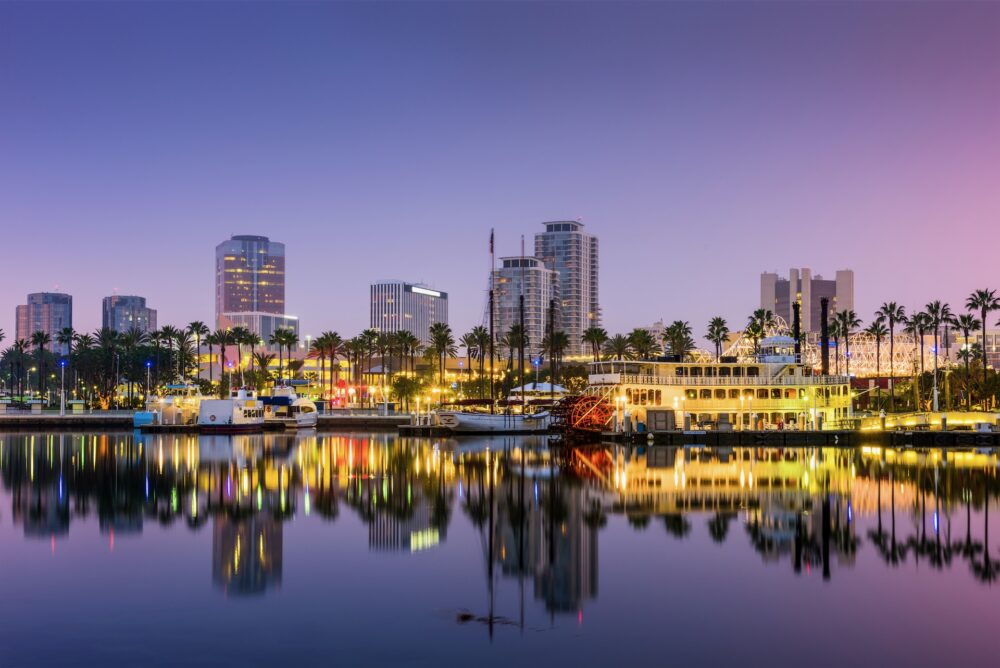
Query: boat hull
488	423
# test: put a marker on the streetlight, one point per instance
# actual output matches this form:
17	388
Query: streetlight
935	395
149	364
62	387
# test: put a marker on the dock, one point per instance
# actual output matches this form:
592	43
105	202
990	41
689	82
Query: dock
797	439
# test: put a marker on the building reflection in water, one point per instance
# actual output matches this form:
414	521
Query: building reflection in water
538	510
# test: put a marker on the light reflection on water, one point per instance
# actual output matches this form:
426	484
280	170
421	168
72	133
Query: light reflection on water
502	534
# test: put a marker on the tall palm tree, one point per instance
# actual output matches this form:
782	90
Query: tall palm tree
21	348
878	331
618	347
596	337
985	301
758	324
835	334
644	345
212	339
481	335
677	338
938	313
916	325
198	330
240	336
471	345
277	339
893	314
966	322
443	345
223	337
849	321
558	344
169	334
39	340
717	334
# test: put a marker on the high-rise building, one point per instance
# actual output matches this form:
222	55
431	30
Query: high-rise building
540	286
250	285
398	305
46	312
123	312
567	249
777	295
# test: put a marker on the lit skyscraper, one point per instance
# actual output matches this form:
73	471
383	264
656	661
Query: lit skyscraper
567	249
250	285
46	312
123	312
398	305
540	285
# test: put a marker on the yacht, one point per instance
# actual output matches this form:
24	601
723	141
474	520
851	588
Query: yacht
178	404
241	412
286	407
483	423
773	389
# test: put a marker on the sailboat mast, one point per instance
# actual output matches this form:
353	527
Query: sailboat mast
493	268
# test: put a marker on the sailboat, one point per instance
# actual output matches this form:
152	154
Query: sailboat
507	422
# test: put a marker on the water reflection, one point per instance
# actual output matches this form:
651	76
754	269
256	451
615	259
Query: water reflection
538	511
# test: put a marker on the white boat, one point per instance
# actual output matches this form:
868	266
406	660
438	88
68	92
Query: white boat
484	423
241	412
286	407
178	404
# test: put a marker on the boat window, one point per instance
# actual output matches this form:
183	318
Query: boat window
681	371
706	394
724	372
720	394
659	397
691	394
791	394
776	393
753	371
762	394
710	371
734	394
628	396
696	371
737	371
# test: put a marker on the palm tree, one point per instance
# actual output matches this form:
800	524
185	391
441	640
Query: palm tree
277	339
758	324
21	347
893	313
966	322
481	335
596	337
835	335
849	321
983	301
471	345
240	335
443	345
916	325
618	347
558	343
878	331
644	346
198	330
938	314
212	339
677	338
169	334
40	339
223	337
717	334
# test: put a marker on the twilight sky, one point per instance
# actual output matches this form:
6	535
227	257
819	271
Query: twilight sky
703	143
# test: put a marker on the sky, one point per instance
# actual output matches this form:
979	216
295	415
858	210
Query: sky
703	143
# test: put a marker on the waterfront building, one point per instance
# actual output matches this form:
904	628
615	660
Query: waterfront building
540	286
769	389
249	276
565	248
124	312
777	295
47	312
411	307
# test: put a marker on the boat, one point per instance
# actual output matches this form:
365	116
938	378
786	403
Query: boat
241	412
484	423
771	390
178	404
286	407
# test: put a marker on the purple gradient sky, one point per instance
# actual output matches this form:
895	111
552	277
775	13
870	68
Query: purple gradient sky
703	143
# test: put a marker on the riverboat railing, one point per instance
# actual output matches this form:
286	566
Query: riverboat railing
716	381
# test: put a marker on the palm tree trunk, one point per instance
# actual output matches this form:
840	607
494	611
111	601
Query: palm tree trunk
892	368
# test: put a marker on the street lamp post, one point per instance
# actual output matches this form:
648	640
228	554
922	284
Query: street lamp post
935	395
148	365
62	387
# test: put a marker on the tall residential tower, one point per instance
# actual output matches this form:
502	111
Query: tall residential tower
250	285
124	312
46	312
565	248
540	286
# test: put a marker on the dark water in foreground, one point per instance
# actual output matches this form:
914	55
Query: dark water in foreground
368	549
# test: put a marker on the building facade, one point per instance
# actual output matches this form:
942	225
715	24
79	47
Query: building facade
398	305
540	286
46	312
777	295
565	248
261	324
123	312
249	276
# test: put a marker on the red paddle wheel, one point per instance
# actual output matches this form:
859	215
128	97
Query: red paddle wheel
585	412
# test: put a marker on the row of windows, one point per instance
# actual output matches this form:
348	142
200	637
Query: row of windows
765	393
721	371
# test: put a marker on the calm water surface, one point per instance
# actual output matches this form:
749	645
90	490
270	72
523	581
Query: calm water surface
370	549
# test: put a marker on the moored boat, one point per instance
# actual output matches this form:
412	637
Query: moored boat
241	412
483	423
286	407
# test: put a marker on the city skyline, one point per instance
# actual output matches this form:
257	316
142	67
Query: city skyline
749	140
